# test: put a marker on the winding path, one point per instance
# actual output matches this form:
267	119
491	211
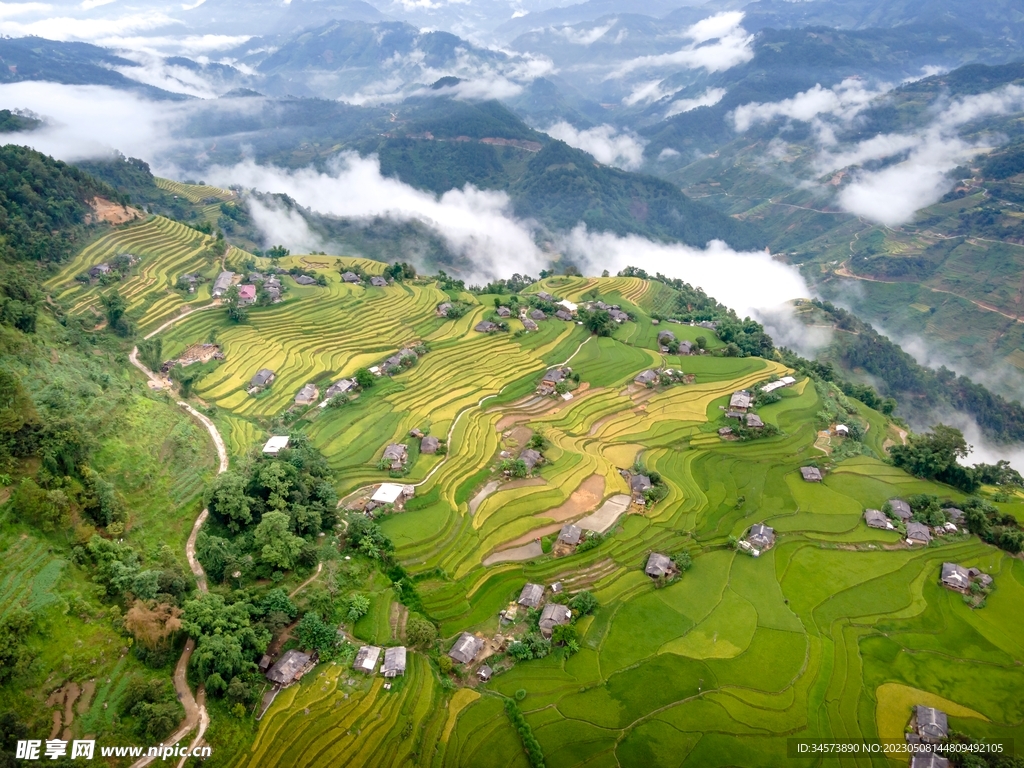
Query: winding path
196	715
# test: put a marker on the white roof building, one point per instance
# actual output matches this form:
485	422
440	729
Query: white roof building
388	493
366	659
568	305
275	444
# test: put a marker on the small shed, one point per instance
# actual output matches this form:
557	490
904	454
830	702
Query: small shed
429	444
265	662
484	673
275	444
289	668
552	616
811	474
366	659
394	661
658	565
876	519
466	648
531	595
918	533
570	535
388	493
900	509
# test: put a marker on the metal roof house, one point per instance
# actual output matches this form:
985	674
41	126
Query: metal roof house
875	518
290	667
484	673
351	277
466	648
646	377
394	661
740	401
366	659
275	444
761	536
570	535
263	377
531	595
379	282
388	493
930	724
307	395
429	444
658	565
222	283
530	458
900	509
552	616
918	533
396	454
955	576
811	474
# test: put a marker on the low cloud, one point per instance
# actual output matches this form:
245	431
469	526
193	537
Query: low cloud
718	43
105	31
646	93
622	150
10	10
765	285
843	101
709	98
584	36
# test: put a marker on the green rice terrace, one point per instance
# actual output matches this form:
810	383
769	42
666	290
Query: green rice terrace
830	629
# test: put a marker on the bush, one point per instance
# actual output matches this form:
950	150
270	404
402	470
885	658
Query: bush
520	694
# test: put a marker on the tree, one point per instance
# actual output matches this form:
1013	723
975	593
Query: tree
278	252
151	625
364	378
14	655
115	306
583	603
420	632
356	606
599	323
226	499
683	561
151	352
934	455
237	313
277	601
316	634
277	545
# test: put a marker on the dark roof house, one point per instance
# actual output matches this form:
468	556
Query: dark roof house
740	400
530	458
537	314
918	533
263	377
955	576
761	536
811	474
504	312
545	296
222	283
570	534
429	444
380	282
340	387
876	519
484	673
531	595
754	421
307	395
351	277
563	315
290	667
552	616
900	509
931	724
485	326
396	454
658	565
305	280
529	325
394	661
466	648
639	483
646	377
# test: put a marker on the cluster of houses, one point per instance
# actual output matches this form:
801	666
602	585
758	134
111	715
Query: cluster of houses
271	284
428	443
368	656
959	578
740	403
552	378
651	377
352	278
917	533
197	353
122	263
247	290
614	310
927	726
759	538
667	342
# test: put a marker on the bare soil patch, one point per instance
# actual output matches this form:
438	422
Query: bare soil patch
112	213
606	516
584	499
517	554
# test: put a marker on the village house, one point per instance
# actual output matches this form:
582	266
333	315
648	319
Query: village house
811	474
563	315
484	673
658	565
529	325
442	309
291	667
366	659
307	395
959	578
486	326
570	535
928	760
551	379
429	444
256	277
740	401
568	306
761	537
390	493
274	292
900	509
351	277
556	588
537	314
531	458
396	455
725	432
754	421
954	515
276	444
842	430
664	339
466	649
504	312
380	282
785	381
222	283
918	533
272	282
646	377
417	433
264	377
189	281
339	387
394	662
618	315
305	280
552	616
246	295
531	596
685	347
394	363
100	270
875	518
638	486
928	726
545	296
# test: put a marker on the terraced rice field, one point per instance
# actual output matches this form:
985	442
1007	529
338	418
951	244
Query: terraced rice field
167	250
833	633
194	193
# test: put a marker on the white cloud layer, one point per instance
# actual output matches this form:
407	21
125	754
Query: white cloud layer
843	101
717	43
709	98
622	150
584	36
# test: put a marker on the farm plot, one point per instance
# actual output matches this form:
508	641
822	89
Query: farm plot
194	193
